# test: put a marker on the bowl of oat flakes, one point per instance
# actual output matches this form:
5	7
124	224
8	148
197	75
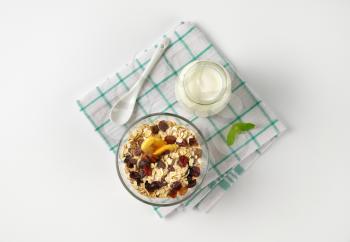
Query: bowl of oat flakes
162	159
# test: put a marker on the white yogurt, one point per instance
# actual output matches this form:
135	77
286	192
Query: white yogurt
204	88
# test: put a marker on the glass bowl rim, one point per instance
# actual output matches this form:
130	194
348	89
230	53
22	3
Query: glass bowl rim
128	130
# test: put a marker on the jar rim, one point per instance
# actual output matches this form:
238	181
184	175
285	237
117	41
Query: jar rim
200	65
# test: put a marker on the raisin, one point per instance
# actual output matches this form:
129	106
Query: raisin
192	141
155	129
144	162
176	186
170	139
167	152
195	171
131	163
183	161
163	126
135	175
137	151
191	183
171	168
157	184
151	187
160	164
127	158
183	143
139	181
145	167
142	173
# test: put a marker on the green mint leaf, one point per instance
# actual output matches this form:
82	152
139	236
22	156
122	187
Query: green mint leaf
243	127
236	129
231	136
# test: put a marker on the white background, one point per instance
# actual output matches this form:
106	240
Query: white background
57	178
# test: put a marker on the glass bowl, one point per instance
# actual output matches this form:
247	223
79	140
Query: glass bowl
204	160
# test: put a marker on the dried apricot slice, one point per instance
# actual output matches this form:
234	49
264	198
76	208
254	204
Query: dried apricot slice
164	148
151	144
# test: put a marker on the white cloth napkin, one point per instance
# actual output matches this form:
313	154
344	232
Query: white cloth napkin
188	43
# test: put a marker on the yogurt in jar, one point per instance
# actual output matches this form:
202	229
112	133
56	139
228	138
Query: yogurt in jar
203	88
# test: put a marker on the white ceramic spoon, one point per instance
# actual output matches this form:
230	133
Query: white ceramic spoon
123	108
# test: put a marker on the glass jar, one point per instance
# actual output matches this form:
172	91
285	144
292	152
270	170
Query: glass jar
203	88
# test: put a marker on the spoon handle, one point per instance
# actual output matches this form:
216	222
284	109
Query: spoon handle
123	108
162	46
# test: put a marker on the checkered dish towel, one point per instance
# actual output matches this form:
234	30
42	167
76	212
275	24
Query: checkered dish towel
188	43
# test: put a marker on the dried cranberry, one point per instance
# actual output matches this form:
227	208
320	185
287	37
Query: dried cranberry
176	186
147	170
170	139
192	141
155	129
183	191
172	193
195	171
163	126
135	175
160	164
183	161
191	183
137	151
183	143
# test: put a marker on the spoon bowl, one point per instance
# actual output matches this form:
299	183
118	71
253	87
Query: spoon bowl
124	107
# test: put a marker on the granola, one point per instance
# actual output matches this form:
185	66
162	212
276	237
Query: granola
162	159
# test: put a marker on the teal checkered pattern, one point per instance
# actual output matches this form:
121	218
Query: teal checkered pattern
188	43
